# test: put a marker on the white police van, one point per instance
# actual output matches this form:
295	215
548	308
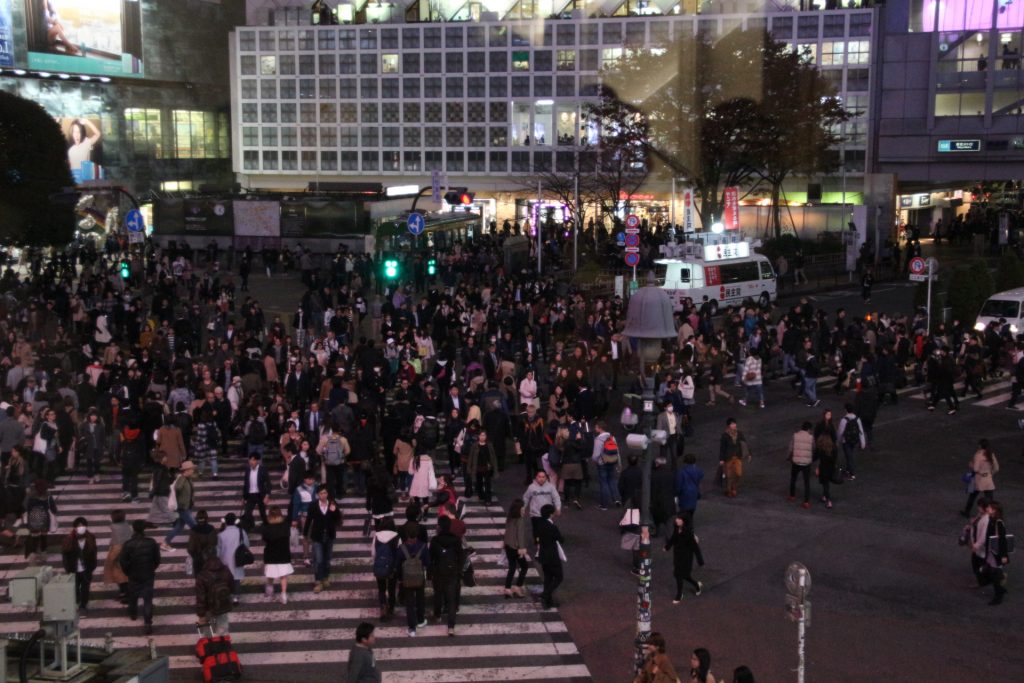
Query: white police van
722	268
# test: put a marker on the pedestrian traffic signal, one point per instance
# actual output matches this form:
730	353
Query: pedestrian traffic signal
126	269
391	269
459	196
432	266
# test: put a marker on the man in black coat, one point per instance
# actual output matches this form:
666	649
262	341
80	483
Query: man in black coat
548	539
446	559
321	528
139	560
255	489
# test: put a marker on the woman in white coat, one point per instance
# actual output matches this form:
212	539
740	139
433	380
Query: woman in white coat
424	479
230	537
528	390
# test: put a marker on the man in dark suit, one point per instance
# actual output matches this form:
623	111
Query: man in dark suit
454	401
313	421
583	406
256	489
296	386
548	538
491	361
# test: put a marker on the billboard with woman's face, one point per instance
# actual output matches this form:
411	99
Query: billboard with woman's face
100	37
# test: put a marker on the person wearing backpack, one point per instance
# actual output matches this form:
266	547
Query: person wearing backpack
40	517
606	457
383	556
255	432
446	560
852	434
333	448
214	586
413	562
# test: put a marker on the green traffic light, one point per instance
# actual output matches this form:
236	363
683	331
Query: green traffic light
126	271
432	267
391	269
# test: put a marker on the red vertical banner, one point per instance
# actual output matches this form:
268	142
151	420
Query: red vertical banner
712	276
731	208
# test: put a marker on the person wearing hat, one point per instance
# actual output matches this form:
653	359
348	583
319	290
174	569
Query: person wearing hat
184	494
139	560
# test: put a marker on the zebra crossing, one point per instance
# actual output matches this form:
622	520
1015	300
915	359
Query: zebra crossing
497	639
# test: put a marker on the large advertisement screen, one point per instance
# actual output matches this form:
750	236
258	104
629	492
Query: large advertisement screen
99	37
6	34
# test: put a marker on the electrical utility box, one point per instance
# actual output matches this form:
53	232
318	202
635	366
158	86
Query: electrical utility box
26	587
59	599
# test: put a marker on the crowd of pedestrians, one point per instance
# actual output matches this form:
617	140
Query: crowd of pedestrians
394	391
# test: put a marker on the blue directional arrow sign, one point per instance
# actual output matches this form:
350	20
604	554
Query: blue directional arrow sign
134	222
415	223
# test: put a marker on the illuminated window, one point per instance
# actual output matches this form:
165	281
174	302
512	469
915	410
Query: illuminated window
144	135
197	135
832	53
610	57
566	60
268	65
858	52
389	64
521	61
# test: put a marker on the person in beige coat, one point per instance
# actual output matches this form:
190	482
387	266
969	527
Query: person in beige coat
983	467
801	454
169	448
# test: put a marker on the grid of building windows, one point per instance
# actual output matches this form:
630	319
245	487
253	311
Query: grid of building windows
480	98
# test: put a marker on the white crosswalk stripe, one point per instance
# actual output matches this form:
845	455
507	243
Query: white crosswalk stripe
497	639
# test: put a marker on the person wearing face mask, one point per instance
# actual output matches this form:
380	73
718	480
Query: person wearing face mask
79	555
671	423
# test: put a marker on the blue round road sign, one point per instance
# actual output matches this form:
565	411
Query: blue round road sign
631	258
415	223
620	238
134	222
632	240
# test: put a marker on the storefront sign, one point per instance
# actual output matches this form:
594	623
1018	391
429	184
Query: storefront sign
731	208
959	145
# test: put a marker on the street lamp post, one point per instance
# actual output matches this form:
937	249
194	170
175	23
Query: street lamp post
649	320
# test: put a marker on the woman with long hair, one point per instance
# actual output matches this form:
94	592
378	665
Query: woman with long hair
277	555
516	543
700	666
685	548
983	468
424	479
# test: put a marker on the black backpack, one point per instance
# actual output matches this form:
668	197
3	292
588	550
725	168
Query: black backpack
412	569
851	432
383	559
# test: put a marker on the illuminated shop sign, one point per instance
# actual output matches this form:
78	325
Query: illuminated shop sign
959	145
721	252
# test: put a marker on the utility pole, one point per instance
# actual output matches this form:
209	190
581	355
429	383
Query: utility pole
537	226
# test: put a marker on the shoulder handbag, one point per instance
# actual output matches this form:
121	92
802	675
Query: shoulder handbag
172	497
993	541
243	556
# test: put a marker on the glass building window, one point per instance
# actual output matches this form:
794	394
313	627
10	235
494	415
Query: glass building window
269	135
453	36
287	89
411	136
329	161
368	64
453	62
497	36
411	88
286	65
433	113
368	88
498	86
542	60
566	34
612	33
542	162
325	39
476	62
370	136
248	90
432	63
499	162
286	41
328	89
589	60
411	63
327	64
328	112
498	61
250	160
476	136
476	86
144	134
636	33
308	160
454	161
247	65
521	60
567	60
413	161
835	25
521	124
288	113
307	65
477	161
857	80
307	136
306	40
432	88
520	86
389	112
498	112
368	39
349	160
289	161
411	112
268	89
247	41
498	136
196	135
807	26
328	136
347	88
782	27
432	137
268	112
475	113
410	38
389	88
432	160
347	39
659	33
455	137
389	39
370	161
289	136
389	64
391	136
565	86
307	112
860	24
453	87
432	37
542	86
475	36
347	64
589	33
368	113
307	88
454	112
833	53
520	162
858	52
